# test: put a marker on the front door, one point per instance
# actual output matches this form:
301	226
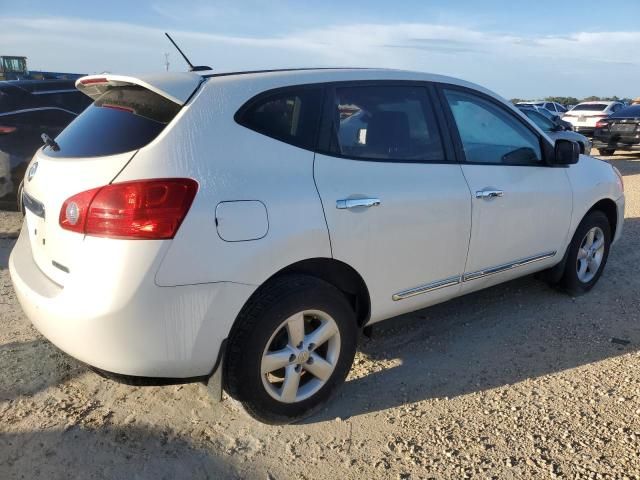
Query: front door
521	206
397	207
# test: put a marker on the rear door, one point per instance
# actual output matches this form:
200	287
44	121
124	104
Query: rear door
396	204
521	206
89	153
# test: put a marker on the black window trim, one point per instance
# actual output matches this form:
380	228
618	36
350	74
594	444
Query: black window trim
324	143
546	149
240	116
322	140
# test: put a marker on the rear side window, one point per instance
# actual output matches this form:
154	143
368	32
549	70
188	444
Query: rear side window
291	115
122	119
392	123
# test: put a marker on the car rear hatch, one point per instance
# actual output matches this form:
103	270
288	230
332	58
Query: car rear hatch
127	114
627	129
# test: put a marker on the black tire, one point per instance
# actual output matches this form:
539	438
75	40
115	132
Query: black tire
570	280
606	152
259	319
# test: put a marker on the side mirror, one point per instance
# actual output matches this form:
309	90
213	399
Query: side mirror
566	152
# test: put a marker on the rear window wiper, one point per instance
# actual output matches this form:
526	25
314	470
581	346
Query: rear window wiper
50	142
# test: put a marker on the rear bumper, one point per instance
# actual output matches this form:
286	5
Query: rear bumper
584	130
114	317
629	145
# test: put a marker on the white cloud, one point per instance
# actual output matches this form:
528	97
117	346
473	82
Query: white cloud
576	64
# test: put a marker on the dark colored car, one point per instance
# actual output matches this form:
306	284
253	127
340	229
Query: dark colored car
29	108
620	131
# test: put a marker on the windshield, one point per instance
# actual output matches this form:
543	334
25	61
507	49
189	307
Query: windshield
122	119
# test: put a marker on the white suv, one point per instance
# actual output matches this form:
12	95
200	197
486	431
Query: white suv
244	227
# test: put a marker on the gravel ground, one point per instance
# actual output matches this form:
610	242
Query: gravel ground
518	381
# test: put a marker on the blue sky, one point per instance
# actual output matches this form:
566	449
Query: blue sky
522	48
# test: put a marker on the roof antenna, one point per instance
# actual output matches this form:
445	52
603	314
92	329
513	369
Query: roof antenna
197	68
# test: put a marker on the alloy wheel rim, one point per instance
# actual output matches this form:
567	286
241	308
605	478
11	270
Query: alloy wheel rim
301	356
590	255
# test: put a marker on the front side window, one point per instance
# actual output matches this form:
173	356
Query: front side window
490	134
291	115
393	123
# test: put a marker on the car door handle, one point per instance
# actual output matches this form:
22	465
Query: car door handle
357	202
489	193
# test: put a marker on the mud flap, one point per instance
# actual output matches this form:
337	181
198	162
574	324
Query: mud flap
214	383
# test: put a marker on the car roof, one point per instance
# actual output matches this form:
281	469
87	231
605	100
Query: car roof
593	102
299	76
178	86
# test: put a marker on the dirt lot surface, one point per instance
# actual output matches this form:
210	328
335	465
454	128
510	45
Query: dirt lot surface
518	381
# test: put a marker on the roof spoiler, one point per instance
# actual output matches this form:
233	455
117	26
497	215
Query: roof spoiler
174	86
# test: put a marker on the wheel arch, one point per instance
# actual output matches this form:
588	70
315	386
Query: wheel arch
610	209
606	206
339	274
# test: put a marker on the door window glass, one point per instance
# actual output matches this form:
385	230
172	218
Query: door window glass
490	134
385	123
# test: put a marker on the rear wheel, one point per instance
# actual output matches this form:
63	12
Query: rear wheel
607	152
588	253
292	347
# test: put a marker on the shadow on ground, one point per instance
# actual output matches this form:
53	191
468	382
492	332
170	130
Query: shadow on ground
627	163
110	453
506	334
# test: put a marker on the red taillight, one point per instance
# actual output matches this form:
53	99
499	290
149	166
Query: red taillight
601	124
6	130
145	209
90	81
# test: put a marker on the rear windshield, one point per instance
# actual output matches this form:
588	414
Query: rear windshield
630	112
121	120
598	107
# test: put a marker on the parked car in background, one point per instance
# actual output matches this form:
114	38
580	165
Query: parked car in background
29	108
552	107
195	223
620	131
552	115
585	115
556	130
555	118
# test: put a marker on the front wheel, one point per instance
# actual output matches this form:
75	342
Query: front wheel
588	253
291	348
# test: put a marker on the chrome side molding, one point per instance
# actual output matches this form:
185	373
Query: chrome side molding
507	266
451	281
429	287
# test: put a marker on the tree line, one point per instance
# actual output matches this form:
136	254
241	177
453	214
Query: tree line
573	100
